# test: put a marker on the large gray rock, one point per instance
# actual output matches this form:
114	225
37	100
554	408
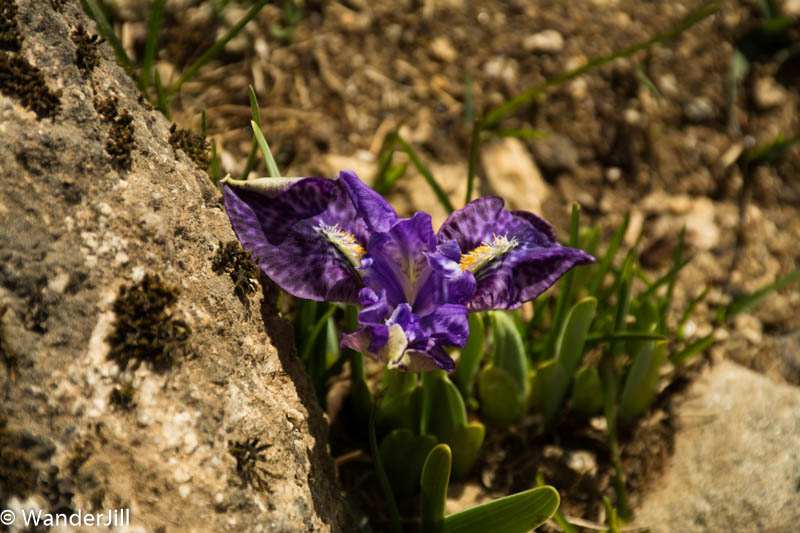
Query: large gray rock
736	464
76	225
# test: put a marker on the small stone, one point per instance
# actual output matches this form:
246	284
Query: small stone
768	93
555	153
581	461
443	49
513	174
59	283
668	85
749	327
185	490
546	41
613	174
182	474
699	109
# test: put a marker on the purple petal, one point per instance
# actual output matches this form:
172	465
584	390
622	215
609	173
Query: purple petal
425	361
446	325
526	269
378	214
281	233
398	258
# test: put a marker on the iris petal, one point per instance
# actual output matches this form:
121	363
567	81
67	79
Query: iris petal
515	253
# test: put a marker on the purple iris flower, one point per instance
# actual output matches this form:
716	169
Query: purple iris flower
340	241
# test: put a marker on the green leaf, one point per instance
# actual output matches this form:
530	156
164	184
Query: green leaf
426	173
502	403
694	348
508	350
471	354
434	480
444	408
403	455
503	110
401	409
383	480
745	303
256	114
587	392
553	378
217	47
161	96
213	169
569	346
565	289
596	338
518	513
153	24
272	167
642	381
466	442
608	257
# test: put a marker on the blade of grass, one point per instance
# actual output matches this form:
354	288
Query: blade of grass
153	24
107	32
696	347
161	95
501	111
214	167
203	123
565	292
472	168
256	113
562	522
469	96
217	47
608	257
426	173
676	259
746	303
272	167
321	323
687	314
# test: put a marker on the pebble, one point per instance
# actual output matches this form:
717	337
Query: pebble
768	93
443	49
699	109
546	41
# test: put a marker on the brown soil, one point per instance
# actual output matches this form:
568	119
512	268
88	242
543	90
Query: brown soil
354	70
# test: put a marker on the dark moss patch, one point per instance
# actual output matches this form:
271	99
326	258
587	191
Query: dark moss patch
10	36
57	490
18	474
21	79
248	455
7	356
193	145
231	258
144	329
120	142
123	397
85	50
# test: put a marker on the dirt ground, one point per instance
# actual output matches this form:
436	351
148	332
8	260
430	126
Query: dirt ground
658	134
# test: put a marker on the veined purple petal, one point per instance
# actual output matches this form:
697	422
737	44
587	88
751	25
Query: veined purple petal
377	213
398	258
283	235
447	325
514	256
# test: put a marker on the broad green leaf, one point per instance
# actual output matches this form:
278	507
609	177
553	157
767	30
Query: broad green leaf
466	443
518	513
502	403
403	455
508	350
587	392
434	480
642	380
401	409
377	461
569	346
471	354
444	406
549	387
